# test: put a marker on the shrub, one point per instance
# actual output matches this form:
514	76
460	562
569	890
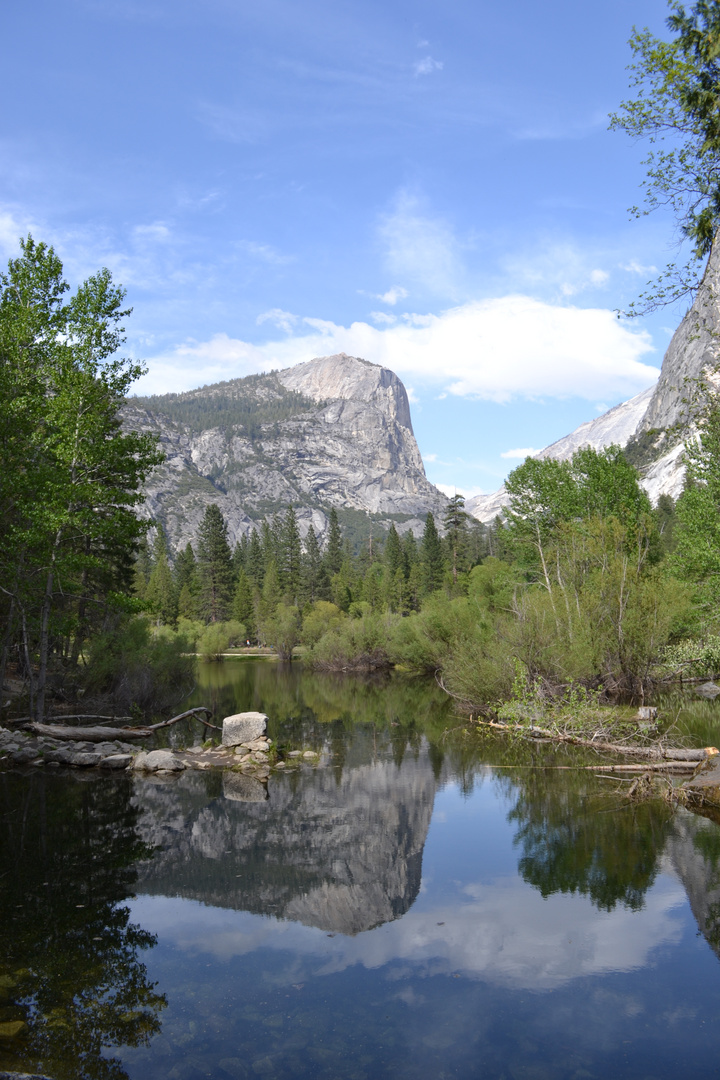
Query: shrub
138	666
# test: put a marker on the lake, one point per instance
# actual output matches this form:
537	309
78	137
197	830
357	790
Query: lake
415	902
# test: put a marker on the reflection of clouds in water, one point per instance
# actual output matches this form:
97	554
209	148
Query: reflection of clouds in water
505	934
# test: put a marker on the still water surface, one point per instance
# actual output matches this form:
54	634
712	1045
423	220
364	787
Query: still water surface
422	904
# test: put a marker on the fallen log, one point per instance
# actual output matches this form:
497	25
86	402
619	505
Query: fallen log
651	753
654	766
87	734
102	734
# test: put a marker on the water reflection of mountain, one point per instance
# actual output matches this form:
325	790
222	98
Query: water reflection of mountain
693	851
340	849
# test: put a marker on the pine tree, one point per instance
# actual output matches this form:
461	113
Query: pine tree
334	549
455	522
215	569
291	555
243	608
240	555
142	569
256	561
186	583
432	556
393	551
315	580
160	594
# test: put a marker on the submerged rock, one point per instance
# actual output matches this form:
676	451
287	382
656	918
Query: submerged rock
704	785
158	760
708	690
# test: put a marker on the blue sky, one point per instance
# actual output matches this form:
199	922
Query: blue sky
429	185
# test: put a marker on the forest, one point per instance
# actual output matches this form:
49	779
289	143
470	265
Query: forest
580	587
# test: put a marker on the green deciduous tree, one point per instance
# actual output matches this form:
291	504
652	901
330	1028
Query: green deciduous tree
72	478
675	109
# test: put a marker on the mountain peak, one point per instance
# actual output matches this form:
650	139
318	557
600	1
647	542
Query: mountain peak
350	378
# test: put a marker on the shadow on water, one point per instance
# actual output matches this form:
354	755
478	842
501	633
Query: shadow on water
70	967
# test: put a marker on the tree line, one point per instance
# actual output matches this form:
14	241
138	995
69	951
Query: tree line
272	576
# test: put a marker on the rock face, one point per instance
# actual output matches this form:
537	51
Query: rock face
656	421
333	432
342	852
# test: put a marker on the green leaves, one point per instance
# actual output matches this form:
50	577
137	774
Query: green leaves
677	110
72	479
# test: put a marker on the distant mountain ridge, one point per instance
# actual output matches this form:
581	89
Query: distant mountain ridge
654	424
333	432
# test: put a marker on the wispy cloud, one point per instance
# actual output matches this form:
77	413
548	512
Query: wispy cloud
383	318
392	295
498	350
634	267
427	65
420	246
521	453
265	253
285	320
235	125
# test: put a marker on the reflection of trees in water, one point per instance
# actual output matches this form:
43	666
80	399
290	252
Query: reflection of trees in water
316	709
70	959
574	841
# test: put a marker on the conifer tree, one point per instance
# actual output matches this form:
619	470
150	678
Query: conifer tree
256	561
432	556
186	582
291	555
240	552
142	569
243	608
160	594
315	580
215	569
455	522
393	553
334	549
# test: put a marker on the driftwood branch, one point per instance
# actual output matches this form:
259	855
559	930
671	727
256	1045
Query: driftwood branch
102	734
651	753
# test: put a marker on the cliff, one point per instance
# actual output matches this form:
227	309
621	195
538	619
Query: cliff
333	432
654	424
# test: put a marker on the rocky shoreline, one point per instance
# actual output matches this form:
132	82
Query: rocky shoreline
245	749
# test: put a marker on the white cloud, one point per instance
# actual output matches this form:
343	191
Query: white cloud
284	319
392	295
266	253
420	247
521	453
427	65
158	232
498	350
12	228
634	267
561	270
383	318
504	933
